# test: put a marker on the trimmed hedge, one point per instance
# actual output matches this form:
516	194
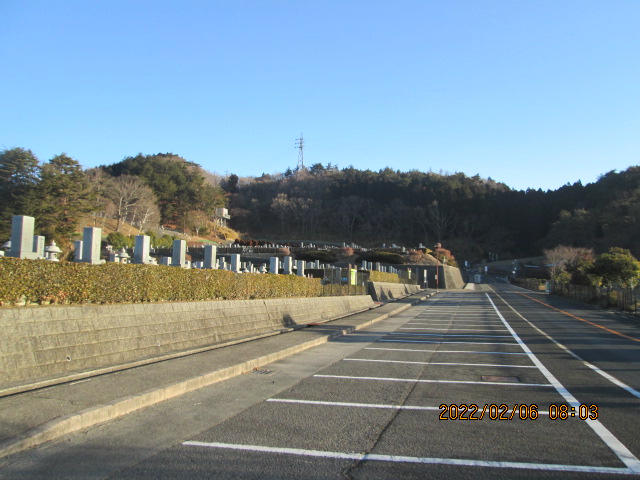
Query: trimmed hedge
375	276
43	282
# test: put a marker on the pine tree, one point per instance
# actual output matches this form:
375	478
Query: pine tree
64	193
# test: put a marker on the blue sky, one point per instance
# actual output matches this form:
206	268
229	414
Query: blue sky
530	93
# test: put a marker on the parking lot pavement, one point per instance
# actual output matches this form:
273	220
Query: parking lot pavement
453	387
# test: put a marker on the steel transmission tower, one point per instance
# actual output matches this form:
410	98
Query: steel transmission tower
300	146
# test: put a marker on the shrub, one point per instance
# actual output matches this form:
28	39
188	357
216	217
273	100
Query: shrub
375	276
118	240
39	281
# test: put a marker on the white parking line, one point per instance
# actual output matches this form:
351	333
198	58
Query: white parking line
442	351
452	335
467	382
406	459
483	324
448	335
606	375
439	363
621	451
455	343
369	405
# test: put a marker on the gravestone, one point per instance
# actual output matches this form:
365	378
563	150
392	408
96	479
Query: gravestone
141	250
301	264
178	254
274	265
235	262
165	261
288	265
38	246
78	250
22	237
210	252
91	238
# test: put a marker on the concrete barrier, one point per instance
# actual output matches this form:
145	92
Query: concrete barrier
384	292
39	343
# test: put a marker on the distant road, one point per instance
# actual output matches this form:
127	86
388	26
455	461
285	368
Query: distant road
519	367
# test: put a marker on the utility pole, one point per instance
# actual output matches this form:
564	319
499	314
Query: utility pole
300	146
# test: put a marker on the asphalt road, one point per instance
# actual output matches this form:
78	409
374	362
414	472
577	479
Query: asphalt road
371	404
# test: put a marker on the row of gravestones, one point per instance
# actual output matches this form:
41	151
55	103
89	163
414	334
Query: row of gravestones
24	244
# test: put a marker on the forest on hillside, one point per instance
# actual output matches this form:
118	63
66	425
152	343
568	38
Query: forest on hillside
475	218
471	216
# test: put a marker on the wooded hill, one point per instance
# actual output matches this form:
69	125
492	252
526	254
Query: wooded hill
471	216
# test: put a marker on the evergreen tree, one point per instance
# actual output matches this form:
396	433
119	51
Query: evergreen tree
64	193
18	180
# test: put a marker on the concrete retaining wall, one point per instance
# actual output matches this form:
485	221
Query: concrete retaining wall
383	292
45	342
449	277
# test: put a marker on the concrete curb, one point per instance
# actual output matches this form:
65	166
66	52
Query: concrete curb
102	413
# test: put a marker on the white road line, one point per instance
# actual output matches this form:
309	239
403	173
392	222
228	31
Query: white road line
449	330
467	382
460	462
606	375
484	324
452	335
439	363
454	343
349	404
442	351
368	405
622	452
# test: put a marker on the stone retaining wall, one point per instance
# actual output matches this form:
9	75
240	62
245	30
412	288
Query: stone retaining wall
52	341
384	292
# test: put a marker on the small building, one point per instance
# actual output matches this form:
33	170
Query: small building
221	216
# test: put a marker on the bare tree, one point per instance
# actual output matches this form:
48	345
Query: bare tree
128	192
562	256
440	221
198	220
147	212
281	206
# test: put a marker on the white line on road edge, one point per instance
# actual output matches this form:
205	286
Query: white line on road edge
406	459
439	363
623	453
368	405
441	351
467	382
606	375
